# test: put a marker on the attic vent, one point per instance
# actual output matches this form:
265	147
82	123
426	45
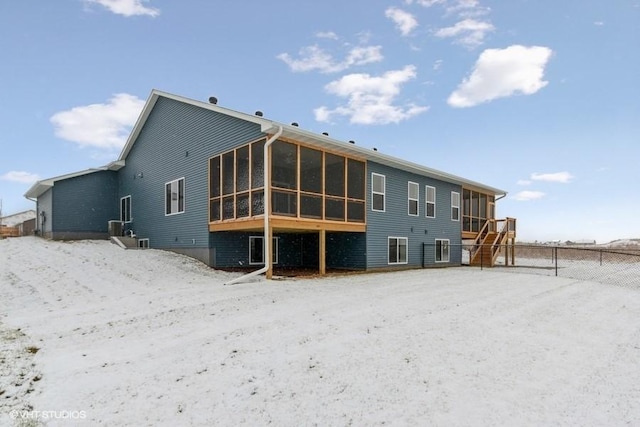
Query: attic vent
294	124
259	113
213	100
325	133
351	141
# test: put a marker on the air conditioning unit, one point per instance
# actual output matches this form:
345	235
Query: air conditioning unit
115	228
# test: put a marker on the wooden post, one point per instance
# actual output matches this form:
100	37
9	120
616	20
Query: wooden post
268	246
513	251
323	252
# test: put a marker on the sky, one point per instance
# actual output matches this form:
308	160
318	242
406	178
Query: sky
539	98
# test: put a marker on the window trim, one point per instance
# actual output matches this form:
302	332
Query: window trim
276	246
409	199
143	243
123	199
383	193
448	246
427	202
453	206
398	239
184	198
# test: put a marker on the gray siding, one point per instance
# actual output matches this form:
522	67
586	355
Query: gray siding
83	206
45	206
176	142
396	221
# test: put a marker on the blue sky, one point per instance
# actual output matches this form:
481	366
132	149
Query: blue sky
537	97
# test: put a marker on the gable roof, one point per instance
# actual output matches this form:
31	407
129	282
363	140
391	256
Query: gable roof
40	187
298	134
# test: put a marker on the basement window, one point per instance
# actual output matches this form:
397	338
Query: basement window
442	250
398	250
256	250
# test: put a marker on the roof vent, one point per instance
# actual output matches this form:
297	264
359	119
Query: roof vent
375	149
213	100
294	124
351	141
325	133
259	113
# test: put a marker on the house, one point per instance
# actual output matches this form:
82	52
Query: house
18	224
193	175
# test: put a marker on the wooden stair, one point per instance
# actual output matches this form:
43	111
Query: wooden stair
485	253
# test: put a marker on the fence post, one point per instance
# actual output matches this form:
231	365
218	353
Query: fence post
556	257
481	257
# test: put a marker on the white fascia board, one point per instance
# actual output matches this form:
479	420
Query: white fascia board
324	141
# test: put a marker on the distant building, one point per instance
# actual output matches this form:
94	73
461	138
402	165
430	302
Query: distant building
19	224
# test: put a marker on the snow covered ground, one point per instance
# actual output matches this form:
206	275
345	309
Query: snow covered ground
91	334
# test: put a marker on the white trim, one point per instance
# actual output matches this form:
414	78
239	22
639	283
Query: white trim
448	247
427	202
455	206
383	193
410	199
406	261
184	197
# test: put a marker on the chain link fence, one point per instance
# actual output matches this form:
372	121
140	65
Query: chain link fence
618	266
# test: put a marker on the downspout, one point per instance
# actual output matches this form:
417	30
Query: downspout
267	210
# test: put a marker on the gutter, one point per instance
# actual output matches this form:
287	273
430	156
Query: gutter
267	209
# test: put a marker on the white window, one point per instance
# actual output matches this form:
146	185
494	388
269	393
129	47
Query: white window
174	197
430	201
398	250
125	209
377	192
413	201
256	250
442	250
143	243
455	206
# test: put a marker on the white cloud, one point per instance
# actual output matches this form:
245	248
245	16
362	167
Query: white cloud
99	125
405	22
327	35
467	8
425	3
438	64
598	23
20	176
524	182
525	196
127	7
500	73
469	32
370	99
561	177
315	58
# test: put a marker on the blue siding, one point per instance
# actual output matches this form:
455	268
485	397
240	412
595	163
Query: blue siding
83	205
396	221
176	142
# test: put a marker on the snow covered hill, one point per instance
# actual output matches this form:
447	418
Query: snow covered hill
95	335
